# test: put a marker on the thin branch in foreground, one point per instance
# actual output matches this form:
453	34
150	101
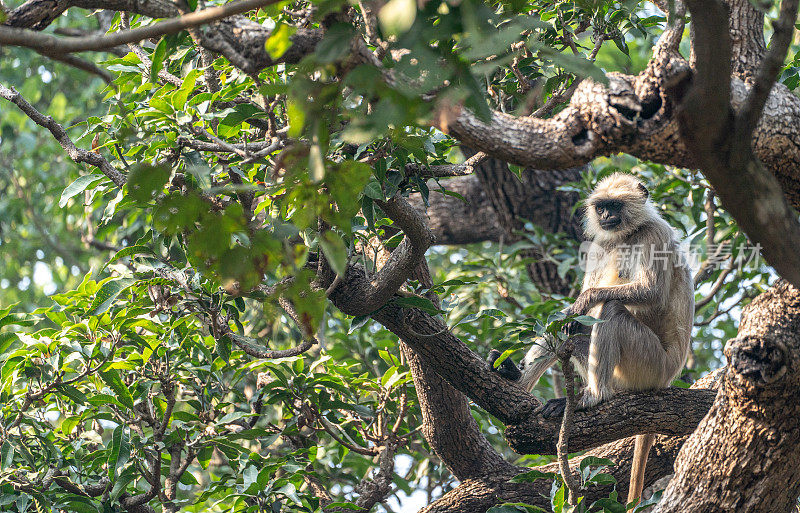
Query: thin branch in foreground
249	346
76	154
57	45
81	64
447	170
573	487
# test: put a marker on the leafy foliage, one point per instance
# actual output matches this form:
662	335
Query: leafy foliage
238	185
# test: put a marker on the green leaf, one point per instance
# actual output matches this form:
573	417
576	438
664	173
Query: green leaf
505	354
104	399
78	504
297	117
422	303
357	322
609	505
335	251
316	163
336	43
6	456
204	456
180	96
532	475
112	379
145	181
126	252
373	190
77	187
223	347
158	59
368	210
587	320
594	461
107	294
120	451
279	40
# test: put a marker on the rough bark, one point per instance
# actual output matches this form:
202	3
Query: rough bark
634	115
456	221
672	411
745	455
449	427
747	38
719	137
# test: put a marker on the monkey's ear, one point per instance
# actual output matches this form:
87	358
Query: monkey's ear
644	190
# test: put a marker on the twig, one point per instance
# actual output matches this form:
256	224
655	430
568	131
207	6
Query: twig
717	313
573	487
716	287
81	64
565	95
446	170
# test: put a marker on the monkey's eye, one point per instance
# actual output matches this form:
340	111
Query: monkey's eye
611	206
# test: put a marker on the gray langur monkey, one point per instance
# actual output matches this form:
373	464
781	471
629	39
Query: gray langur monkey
638	282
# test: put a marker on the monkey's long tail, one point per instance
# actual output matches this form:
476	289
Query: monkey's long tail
641	450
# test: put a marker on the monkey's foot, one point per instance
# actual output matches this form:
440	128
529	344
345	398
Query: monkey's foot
554	408
507	369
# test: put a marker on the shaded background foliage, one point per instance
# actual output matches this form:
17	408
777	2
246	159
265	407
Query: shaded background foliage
111	351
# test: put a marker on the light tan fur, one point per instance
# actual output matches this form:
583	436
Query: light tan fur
647	304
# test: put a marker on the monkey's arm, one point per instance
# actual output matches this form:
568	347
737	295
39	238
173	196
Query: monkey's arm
650	287
630	293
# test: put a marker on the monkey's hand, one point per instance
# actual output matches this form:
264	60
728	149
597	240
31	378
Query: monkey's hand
507	368
581	306
583	303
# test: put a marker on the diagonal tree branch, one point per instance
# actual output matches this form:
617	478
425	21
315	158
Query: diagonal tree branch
76	154
55	45
720	139
770	67
374	294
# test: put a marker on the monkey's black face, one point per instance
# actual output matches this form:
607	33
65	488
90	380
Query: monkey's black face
609	213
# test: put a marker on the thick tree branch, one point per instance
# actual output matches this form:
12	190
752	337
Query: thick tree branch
770	67
478	495
671	411
374	294
720	140
747	37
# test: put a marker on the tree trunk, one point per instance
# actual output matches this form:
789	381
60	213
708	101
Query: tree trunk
745	455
